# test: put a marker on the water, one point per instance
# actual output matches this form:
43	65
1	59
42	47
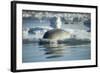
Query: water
34	52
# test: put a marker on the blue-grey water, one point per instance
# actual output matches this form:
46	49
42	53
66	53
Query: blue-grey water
37	53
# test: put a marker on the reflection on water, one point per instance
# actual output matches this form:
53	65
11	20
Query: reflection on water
54	52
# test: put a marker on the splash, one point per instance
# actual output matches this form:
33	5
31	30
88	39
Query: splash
59	23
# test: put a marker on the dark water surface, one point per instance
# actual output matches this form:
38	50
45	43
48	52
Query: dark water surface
37	53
